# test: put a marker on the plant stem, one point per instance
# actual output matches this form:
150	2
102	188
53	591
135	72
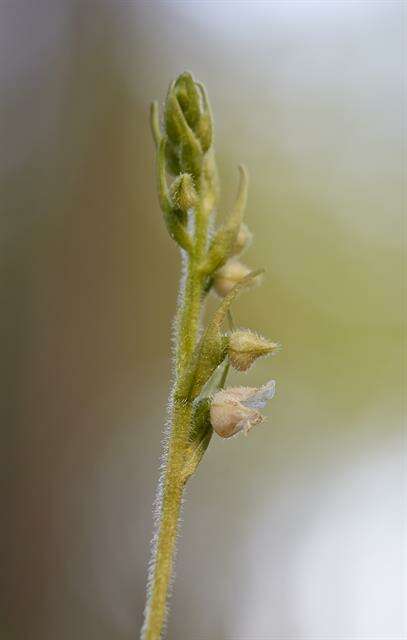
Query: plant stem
171	486
226	367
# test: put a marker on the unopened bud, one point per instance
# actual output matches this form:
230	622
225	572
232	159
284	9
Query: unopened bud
227	276
237	408
187	124
244	238
245	347
183	193
189	98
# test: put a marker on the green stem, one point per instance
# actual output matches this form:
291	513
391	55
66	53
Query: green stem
226	368
171	485
224	376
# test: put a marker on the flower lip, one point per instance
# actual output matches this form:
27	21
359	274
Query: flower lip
258	400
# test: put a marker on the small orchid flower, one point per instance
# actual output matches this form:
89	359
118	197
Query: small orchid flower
237	408
227	276
245	347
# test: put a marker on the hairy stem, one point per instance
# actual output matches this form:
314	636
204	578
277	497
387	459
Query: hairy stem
171	486
185	154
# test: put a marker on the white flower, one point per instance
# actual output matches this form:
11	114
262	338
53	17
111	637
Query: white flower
227	276
237	408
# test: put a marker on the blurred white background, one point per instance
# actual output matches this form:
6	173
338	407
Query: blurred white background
297	532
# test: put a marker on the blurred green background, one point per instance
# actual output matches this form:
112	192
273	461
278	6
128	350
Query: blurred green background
297	532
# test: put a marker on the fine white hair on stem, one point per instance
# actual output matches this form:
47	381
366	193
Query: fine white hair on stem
158	500
184	151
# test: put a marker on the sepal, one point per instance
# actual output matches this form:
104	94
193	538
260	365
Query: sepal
198	439
224	241
173	220
210	354
204	127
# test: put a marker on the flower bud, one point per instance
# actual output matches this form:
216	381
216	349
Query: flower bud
237	408
188	125
182	192
227	276
245	347
189	98
244	238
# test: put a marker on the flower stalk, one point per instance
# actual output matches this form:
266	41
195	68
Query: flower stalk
184	151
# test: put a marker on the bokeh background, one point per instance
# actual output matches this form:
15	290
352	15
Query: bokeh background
297	532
